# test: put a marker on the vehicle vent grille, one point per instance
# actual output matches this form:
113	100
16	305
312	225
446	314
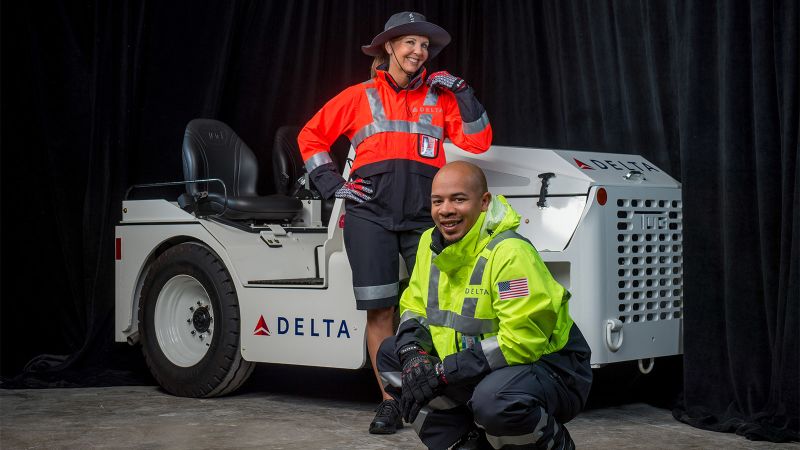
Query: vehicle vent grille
650	259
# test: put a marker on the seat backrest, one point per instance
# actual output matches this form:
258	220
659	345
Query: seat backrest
287	163
212	150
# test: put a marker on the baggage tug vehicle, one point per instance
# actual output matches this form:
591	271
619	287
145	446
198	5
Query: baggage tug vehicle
220	278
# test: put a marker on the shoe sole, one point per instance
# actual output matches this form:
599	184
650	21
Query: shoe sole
381	430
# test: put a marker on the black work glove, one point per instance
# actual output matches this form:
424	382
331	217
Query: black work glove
357	190
446	80
422	380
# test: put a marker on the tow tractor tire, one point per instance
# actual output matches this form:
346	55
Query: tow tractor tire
189	324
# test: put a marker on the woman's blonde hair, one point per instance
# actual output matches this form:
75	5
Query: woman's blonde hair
383	58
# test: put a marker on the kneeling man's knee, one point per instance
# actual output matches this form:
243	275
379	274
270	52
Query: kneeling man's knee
504	413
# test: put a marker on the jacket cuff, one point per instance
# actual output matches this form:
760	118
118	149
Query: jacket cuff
412	332
468	105
469	365
326	179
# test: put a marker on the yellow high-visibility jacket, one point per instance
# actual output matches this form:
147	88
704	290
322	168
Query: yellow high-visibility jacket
484	302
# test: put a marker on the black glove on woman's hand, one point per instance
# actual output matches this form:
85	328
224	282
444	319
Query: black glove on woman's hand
357	190
444	79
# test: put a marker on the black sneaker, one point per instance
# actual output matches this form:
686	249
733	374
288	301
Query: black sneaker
387	420
474	440
562	440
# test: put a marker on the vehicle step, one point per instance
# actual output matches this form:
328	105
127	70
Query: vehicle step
292	281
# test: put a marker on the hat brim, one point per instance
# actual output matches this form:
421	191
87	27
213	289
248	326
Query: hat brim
439	38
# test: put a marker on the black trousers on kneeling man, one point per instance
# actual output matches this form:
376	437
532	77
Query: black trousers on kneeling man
517	406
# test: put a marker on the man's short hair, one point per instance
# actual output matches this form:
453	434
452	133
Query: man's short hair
477	178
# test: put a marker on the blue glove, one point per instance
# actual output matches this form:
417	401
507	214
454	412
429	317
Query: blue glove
356	190
444	79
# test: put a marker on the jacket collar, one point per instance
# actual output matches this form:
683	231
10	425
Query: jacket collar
382	72
498	217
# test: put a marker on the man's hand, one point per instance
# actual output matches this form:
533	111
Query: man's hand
357	190
422	380
444	79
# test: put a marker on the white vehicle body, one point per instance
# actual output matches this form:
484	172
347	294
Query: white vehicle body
622	260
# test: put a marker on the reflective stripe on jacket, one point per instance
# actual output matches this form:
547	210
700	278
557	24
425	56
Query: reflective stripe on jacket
384	123
486	301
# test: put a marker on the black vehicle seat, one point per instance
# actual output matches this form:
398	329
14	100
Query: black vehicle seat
287	163
288	167
212	150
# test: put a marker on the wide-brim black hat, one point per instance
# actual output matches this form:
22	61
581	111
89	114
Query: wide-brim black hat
408	22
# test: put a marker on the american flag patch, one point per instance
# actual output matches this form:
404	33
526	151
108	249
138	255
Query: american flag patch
513	288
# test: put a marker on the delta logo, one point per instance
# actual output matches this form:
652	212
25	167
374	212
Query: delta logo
304	326
426	109
611	164
261	327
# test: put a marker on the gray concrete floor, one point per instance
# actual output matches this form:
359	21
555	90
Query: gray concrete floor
146	417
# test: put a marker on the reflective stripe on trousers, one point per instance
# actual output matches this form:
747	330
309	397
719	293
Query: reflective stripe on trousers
437	404
376	292
530	438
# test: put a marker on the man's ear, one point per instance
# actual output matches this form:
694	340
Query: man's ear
486	198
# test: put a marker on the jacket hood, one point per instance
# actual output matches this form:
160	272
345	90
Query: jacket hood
498	217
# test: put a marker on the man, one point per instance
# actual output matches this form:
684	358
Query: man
486	355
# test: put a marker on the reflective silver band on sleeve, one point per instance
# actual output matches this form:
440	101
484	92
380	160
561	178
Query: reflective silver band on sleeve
522	439
409	315
476	126
376	292
493	354
318	160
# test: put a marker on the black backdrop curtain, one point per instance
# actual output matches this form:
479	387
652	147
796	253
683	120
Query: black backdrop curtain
95	96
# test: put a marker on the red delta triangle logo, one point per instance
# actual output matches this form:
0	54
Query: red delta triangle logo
583	165
261	328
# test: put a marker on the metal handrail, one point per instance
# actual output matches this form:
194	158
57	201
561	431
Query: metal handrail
179	183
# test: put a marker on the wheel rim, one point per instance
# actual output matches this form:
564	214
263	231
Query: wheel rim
184	320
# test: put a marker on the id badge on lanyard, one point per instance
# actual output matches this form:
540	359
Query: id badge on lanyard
469	341
428	146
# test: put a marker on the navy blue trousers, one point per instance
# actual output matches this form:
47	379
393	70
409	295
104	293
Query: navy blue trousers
519	406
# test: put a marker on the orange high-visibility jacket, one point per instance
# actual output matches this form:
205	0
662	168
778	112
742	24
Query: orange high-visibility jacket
393	130
384	124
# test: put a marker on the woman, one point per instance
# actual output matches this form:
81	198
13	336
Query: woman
396	122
